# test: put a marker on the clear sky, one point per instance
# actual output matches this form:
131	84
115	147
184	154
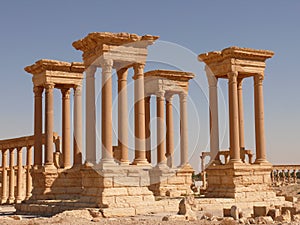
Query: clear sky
31	30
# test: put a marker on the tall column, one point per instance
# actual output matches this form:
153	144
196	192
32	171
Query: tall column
28	175
139	115
66	127
49	125
214	117
11	197
38	125
259	119
148	128
170	132
4	176
161	143
19	175
183	130
233	118
107	153
123	115
90	115
241	117
77	142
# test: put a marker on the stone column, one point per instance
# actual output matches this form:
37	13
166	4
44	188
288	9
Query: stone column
11	197
170	132
90	115
4	176
241	118
161	143
139	115
233	118
77	142
183	130
107	153
66	127
49	125
261	156
148	128
123	115
19	175
28	175
214	117
38	125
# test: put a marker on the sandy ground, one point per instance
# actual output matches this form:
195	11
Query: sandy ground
78	217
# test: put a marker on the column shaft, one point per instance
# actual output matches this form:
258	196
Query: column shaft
139	115
11	197
169	133
183	130
148	128
66	127
241	117
214	117
233	118
161	143
28	175
77	142
259	120
90	115
123	115
38	125
19	175
4	176
107	154
49	124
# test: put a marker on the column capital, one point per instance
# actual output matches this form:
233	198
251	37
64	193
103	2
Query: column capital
169	97
183	96
77	90
49	86
161	94
38	90
258	79
233	75
90	70
122	74
65	92
211	78
240	83
106	64
138	70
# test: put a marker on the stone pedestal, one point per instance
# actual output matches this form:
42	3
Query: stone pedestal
171	182
240	181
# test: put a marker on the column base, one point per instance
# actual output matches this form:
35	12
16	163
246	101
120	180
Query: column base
18	200
3	201
106	163
11	200
140	162
234	161
262	162
124	163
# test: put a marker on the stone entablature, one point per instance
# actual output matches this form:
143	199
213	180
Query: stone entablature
246	61
124	48
56	72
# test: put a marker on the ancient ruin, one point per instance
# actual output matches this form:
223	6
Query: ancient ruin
53	180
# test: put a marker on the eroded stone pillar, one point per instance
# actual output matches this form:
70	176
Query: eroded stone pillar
233	118
214	117
4	176
77	142
183	130
49	123
161	143
90	115
148	128
38	125
139	115
123	115
169	132
241	117
11	197
28	170
66	127
19	175
261	155
107	153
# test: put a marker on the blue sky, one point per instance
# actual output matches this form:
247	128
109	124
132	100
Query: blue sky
31	30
